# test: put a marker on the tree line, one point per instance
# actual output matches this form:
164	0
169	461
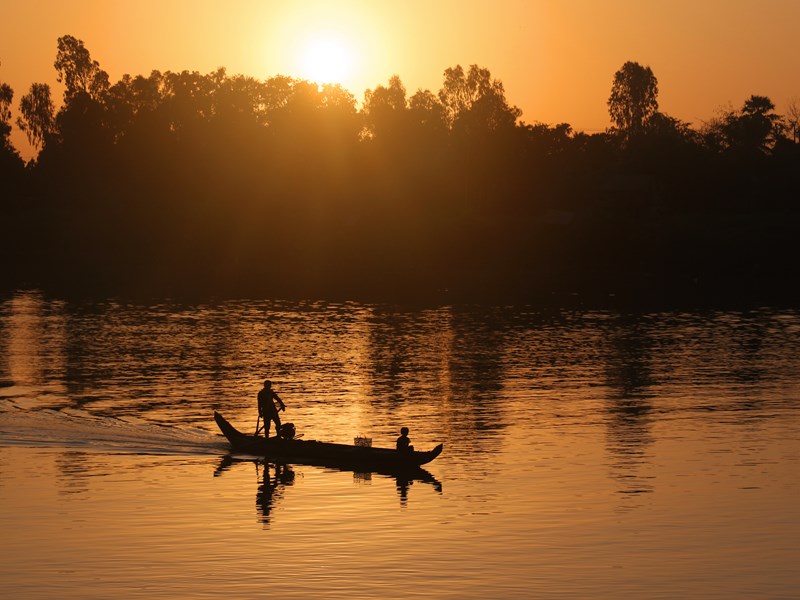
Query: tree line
182	182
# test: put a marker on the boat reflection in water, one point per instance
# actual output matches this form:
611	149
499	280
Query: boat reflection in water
403	479
274	477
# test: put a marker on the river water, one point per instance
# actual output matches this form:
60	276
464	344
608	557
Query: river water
586	453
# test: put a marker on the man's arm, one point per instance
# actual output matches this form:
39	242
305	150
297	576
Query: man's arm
278	398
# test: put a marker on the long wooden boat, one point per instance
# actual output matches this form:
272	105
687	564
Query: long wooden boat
324	453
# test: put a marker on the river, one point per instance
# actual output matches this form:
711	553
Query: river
600	454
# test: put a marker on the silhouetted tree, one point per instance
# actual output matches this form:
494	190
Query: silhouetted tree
663	145
77	71
10	161
12	190
209	182
188	99
275	93
427	112
37	118
663	125
81	139
240	100
793	119
473	101
753	129
711	131
138	120
757	126
546	140
121	103
634	98
326	110
6	98
385	109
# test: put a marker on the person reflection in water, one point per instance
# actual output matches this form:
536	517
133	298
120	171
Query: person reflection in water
267	409
270	489
403	443
403	483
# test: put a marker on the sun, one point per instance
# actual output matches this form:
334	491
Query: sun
327	59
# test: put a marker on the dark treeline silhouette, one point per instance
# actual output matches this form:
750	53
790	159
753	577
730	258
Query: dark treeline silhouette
185	183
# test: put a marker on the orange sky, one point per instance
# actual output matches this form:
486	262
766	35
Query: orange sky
555	57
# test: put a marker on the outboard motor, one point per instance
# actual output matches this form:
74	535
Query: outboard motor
287	431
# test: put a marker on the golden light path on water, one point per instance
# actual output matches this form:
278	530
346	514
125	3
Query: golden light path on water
587	454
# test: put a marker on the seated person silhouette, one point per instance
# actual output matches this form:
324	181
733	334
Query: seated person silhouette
403	443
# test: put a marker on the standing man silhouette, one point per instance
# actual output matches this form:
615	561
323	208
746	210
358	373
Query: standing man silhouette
267	409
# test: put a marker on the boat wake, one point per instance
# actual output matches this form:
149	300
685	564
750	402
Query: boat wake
77	429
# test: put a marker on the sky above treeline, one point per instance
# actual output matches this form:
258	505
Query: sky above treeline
556	58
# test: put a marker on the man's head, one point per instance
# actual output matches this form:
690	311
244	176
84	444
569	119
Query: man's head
267	383
404	431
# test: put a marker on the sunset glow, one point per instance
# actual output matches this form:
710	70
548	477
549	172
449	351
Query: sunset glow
515	282
555	59
326	59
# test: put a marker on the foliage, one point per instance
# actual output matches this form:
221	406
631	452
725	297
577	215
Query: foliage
6	98
218	183
473	101
793	119
753	130
37	118
77	71
427	111
385	109
755	127
11	166
10	161
634	98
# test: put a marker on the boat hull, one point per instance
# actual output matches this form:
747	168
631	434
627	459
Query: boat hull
324	453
